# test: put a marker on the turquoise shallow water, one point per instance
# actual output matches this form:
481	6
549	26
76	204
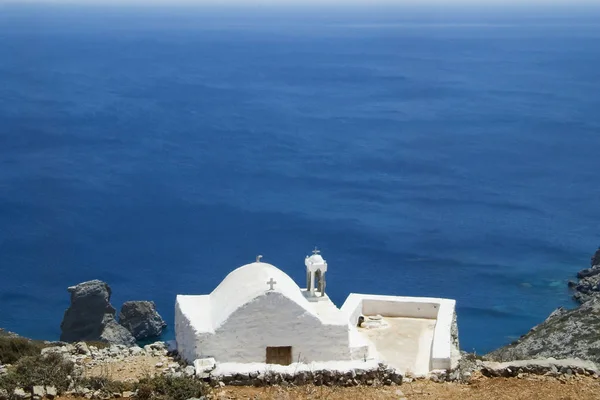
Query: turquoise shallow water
425	154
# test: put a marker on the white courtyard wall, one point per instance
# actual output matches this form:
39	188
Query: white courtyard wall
443	351
406	309
274	320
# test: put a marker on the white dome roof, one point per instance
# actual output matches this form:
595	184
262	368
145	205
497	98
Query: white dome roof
316	259
248	282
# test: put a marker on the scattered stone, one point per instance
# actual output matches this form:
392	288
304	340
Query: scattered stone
82	348
3	394
202	366
400	395
128	394
19	393
136	351
51	392
141	319
38	392
91	316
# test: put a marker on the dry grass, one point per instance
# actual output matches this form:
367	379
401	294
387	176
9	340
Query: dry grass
134	368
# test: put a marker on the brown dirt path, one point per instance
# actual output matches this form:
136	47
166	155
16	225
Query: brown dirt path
481	388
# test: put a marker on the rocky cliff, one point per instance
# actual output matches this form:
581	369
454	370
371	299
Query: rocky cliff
564	334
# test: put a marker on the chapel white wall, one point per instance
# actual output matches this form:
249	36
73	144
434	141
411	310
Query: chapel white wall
273	320
185	334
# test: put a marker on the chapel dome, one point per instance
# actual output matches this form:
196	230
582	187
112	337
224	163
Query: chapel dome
246	283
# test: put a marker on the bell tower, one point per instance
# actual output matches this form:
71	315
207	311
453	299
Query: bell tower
316	267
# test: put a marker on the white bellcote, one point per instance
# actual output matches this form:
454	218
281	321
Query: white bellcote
316	266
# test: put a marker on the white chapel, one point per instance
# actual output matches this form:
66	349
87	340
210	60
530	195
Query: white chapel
258	314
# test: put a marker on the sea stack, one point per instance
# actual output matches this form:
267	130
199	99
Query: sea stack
91	317
141	319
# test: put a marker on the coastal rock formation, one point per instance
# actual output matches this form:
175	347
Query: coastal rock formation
5	333
596	257
548	367
141	319
91	316
588	286
564	334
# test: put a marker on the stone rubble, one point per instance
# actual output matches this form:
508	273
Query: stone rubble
378	376
467	365
87	357
547	367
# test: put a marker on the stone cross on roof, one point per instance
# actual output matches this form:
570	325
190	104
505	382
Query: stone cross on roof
271	283
316	251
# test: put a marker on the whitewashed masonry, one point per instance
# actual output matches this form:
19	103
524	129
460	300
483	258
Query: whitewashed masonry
258	314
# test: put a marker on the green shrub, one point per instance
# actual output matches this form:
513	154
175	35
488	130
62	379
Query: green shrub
144	391
170	388
50	370
105	385
14	348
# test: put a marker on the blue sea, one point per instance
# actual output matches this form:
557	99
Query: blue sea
444	152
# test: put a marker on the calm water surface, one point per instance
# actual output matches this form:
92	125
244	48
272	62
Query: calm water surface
431	155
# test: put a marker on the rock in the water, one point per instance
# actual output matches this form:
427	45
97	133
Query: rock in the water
92	317
565	334
596	258
115	333
588	286
141	319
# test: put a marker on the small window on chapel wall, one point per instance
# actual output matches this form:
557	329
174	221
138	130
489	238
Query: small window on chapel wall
279	355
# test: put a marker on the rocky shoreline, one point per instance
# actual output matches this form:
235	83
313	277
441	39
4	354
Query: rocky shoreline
565	346
566	333
588	285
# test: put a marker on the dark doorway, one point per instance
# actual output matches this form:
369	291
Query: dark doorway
279	355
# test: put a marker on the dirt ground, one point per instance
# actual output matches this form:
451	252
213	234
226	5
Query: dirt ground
481	388
533	388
